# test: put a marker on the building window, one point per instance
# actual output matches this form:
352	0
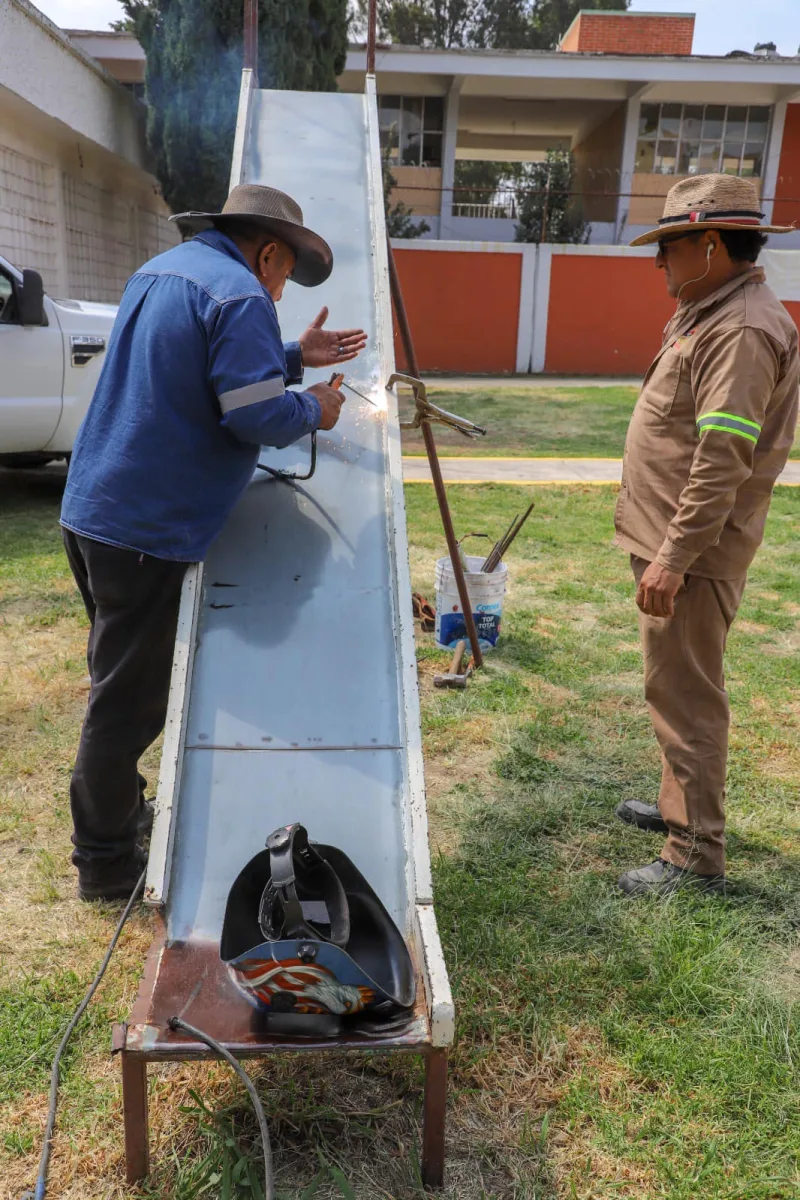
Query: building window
697	139
138	90
411	129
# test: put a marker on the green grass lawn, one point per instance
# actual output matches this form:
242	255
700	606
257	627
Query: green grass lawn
546	422
605	1047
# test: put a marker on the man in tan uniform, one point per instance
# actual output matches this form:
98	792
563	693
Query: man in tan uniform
710	434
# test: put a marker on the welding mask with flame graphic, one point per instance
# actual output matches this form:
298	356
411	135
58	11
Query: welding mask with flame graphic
305	934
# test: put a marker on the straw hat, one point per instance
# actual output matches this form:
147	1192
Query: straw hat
278	214
710	202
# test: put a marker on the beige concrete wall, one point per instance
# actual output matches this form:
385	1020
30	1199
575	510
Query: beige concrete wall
40	64
647	200
81	209
418	187
597	167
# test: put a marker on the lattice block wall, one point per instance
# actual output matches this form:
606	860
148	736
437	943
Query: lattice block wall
28	214
100	243
156	234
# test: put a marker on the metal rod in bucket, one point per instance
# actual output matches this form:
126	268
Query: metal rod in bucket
436	471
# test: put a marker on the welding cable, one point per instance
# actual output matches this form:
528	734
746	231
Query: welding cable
44	1162
269	1181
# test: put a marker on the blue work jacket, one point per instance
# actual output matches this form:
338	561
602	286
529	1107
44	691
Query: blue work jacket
193	383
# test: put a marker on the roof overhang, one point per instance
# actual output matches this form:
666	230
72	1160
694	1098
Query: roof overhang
413	70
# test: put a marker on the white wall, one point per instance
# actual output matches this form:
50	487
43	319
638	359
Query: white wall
76	200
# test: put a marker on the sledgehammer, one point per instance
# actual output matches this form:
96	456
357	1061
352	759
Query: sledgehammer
454	677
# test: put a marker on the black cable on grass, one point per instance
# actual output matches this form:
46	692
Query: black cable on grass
269	1182
40	1189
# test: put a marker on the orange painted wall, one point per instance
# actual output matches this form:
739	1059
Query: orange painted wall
786	210
606	315
463	308
793	309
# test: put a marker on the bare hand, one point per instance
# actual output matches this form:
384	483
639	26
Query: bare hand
330	401
657	589
327	347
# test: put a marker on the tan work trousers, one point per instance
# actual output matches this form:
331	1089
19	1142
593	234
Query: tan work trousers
684	686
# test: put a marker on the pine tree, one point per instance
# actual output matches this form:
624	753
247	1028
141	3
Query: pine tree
194	62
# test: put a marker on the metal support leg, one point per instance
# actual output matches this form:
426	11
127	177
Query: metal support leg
134	1108
433	1122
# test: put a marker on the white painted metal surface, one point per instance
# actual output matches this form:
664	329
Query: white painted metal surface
294	691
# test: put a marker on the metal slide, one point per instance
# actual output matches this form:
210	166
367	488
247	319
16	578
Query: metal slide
294	689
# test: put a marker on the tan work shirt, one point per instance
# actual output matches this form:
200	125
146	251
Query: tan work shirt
711	432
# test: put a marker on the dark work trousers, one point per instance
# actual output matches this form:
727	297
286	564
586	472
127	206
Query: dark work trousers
132	601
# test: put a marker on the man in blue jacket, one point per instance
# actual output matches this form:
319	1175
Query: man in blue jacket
193	384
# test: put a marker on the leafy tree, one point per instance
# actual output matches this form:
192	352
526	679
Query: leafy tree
194	61
485	24
546	207
399	216
477	180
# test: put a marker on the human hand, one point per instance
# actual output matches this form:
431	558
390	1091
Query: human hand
655	595
327	347
330	401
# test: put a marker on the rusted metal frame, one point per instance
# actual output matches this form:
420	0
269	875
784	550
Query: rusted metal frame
372	24
251	38
434	1117
436	471
136	1115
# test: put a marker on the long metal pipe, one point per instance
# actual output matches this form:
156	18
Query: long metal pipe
436	471
372	26
251	37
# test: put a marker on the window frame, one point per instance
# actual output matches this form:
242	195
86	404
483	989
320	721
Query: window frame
424	133
14	318
658	138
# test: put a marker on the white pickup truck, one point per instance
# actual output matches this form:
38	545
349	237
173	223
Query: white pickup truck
51	352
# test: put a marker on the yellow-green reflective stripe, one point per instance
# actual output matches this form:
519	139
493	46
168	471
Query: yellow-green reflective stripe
730	429
729	417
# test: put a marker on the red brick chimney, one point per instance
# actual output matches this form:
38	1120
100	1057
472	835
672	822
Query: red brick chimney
600	31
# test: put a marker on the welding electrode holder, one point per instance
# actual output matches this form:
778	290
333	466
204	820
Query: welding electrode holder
336	380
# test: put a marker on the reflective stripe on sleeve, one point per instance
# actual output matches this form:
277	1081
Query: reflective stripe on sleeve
252	393
729	423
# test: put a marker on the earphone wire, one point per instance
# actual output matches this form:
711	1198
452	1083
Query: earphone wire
699	278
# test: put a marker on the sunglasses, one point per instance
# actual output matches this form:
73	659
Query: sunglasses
664	243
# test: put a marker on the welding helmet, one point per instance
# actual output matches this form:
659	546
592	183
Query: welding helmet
305	936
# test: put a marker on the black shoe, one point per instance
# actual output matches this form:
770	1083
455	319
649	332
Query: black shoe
662	878
643	816
147	813
114	880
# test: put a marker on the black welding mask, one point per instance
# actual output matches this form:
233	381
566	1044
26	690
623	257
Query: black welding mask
305	936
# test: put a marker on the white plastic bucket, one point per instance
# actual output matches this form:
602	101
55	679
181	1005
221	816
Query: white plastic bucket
486	592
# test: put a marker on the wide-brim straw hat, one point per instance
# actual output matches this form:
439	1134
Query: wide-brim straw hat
710	202
276	213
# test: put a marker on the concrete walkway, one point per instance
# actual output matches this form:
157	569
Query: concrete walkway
480	383
536	470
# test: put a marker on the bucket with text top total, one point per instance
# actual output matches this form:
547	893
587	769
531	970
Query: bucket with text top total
486	592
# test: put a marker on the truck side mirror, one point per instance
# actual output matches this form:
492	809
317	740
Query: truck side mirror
30	299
